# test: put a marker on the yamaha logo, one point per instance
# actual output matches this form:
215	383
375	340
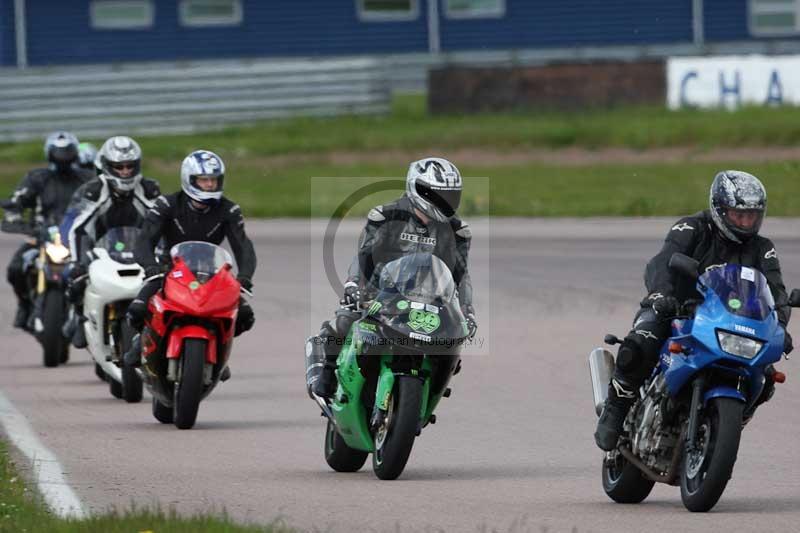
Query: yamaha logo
744	329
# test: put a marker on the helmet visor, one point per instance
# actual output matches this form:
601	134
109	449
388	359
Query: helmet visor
206	183
63	155
445	200
124	169
744	221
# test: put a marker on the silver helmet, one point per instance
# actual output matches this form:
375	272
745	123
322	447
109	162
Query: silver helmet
87	153
120	161
61	150
434	187
207	164
738	203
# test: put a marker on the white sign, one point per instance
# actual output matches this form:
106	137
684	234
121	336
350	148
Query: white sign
732	81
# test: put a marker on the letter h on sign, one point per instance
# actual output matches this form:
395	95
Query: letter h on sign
725	90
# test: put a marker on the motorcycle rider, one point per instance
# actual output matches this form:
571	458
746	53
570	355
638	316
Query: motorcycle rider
727	232
422	220
119	196
46	193
199	212
87	153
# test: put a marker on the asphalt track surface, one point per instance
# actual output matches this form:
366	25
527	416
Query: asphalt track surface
512	449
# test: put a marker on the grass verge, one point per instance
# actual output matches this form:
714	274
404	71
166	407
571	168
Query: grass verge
270	164
22	510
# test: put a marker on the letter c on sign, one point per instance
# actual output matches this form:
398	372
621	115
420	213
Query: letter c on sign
684	82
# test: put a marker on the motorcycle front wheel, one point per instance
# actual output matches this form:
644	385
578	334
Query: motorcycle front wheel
132	386
706	469
394	438
189	390
53	316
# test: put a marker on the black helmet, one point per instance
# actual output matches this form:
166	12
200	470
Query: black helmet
738	203
61	150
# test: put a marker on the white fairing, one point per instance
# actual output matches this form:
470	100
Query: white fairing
107	284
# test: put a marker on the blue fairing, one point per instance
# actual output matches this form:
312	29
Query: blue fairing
738	301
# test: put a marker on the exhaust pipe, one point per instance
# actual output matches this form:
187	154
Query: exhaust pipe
601	367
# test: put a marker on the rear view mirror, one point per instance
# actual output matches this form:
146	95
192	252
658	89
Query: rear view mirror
683	264
794	299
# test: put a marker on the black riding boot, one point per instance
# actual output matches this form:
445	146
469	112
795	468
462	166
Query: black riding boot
24	308
133	357
609	427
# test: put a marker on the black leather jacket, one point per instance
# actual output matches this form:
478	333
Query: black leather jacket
175	220
45	193
95	209
698	237
393	231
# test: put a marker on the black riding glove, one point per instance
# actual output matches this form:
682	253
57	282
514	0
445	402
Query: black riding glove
245	283
666	306
352	295
787	343
472	323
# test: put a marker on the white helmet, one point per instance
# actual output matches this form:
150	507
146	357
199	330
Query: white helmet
433	185
120	160
206	164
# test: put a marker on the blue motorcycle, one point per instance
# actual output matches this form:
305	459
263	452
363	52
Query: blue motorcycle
716	368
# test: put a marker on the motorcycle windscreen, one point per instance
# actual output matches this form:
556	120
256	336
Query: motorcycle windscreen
119	242
420	277
203	258
743	290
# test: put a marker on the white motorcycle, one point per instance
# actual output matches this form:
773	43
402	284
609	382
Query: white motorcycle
114	281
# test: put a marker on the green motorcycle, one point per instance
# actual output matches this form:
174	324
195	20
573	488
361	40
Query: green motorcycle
394	367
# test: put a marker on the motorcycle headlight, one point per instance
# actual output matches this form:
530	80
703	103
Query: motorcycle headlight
738	345
57	253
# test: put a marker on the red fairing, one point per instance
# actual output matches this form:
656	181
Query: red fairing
218	297
191	332
216	300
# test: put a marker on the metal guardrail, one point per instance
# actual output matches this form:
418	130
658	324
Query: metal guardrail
100	101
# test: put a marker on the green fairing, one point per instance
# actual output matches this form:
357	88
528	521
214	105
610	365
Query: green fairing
385	384
351	417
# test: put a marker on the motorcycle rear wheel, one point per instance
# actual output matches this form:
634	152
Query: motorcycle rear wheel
339	455
623	482
190	389
161	412
395	438
705	472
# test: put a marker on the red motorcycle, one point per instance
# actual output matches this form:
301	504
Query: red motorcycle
187	340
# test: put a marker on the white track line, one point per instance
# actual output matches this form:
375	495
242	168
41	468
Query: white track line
46	469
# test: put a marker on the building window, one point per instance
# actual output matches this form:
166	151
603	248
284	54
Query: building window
387	9
474	8
210	12
774	17
121	14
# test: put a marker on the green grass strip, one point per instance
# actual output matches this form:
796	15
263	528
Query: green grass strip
409	127
22	510
270	164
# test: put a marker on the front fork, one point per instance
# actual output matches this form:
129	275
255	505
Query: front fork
383	392
694	412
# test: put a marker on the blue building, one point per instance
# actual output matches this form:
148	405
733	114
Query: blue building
53	32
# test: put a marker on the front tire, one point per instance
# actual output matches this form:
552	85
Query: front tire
53	315
395	437
339	455
623	482
706	471
190	389
132	386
